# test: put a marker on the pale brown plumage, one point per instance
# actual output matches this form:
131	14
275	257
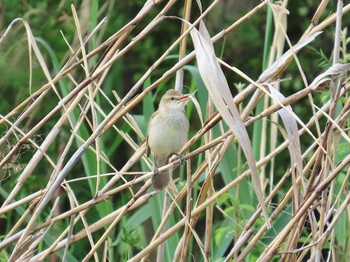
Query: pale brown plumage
167	133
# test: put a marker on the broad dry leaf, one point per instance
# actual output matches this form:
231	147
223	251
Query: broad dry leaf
294	148
218	89
278	66
292	129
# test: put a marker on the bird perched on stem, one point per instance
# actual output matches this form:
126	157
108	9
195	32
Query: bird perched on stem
167	133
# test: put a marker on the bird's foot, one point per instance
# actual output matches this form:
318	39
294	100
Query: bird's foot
182	159
155	171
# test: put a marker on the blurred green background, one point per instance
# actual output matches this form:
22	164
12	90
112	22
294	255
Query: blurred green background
242	48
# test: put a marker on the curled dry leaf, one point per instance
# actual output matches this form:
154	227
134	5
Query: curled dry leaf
278	9
329	75
198	108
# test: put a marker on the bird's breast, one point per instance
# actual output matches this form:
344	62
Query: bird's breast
168	133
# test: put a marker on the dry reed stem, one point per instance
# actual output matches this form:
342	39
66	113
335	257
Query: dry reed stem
318	156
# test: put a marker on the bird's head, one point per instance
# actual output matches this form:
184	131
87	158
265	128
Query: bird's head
173	99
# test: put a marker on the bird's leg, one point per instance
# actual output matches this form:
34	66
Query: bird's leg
155	168
182	159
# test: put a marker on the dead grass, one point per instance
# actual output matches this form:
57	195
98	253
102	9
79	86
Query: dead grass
317	195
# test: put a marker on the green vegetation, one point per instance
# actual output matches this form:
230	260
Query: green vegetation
79	82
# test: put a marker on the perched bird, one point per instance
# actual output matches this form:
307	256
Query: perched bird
167	133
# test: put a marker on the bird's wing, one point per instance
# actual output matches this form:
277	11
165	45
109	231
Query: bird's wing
148	149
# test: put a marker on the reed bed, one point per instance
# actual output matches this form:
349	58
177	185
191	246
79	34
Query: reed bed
262	181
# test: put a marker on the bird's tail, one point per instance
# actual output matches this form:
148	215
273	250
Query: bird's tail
160	180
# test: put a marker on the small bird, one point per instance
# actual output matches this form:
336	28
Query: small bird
167	133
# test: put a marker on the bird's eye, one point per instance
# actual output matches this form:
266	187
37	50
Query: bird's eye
172	98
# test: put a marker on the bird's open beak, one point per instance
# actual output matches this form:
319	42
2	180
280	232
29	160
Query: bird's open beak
183	98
